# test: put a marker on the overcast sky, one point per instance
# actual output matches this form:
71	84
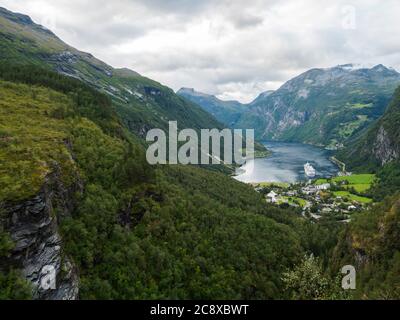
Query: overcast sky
234	49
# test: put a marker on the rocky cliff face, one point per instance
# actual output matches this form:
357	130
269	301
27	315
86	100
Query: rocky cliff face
33	226
380	144
383	148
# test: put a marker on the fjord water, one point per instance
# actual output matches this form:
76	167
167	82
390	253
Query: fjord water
286	164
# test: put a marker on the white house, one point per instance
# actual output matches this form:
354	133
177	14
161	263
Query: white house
271	197
324	186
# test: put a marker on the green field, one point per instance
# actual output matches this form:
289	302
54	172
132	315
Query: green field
352	197
360	105
347	129
321	181
360	182
271	184
293	201
359	187
301	201
357	179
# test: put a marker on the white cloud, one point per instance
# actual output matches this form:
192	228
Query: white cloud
234	49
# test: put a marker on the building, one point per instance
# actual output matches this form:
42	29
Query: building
271	197
324	186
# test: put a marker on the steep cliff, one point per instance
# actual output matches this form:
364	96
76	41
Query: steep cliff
33	225
40	183
371	244
378	146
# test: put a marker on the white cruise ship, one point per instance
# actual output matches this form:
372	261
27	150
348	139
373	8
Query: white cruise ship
309	170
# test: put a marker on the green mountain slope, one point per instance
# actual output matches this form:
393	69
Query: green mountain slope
380	144
77	193
371	243
116	227
323	106
142	103
377	149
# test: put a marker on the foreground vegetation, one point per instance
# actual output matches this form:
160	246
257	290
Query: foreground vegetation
139	232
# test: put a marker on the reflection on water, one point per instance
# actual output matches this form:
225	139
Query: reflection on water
287	164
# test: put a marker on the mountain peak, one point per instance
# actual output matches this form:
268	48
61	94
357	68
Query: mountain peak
24	20
192	92
352	66
358	66
262	96
382	68
15	17
186	90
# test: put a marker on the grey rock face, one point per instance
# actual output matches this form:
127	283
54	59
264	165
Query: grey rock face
383	148
33	226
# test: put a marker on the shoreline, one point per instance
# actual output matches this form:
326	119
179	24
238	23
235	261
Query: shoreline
340	166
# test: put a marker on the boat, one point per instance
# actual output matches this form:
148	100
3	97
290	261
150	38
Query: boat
309	170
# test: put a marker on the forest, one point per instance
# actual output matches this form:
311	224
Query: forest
170	232
138	231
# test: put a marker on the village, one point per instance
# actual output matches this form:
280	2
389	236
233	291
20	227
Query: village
334	198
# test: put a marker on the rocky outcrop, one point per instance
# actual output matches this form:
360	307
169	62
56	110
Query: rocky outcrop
38	252
383	148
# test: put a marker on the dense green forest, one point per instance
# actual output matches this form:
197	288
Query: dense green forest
371	241
140	232
135	231
372	244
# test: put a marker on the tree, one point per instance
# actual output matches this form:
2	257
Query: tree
307	281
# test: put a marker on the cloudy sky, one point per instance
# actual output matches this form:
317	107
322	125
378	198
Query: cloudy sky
234	49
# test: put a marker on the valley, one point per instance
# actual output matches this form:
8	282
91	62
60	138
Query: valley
286	163
333	194
77	192
337	198
323	106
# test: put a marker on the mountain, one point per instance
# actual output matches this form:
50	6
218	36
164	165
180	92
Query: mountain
227	112
80	204
323	106
262	96
371	244
77	195
377	149
142	103
380	144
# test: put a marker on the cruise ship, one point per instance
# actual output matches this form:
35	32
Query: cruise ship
309	170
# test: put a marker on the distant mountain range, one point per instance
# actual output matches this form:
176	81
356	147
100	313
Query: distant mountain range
77	194
321	106
227	112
